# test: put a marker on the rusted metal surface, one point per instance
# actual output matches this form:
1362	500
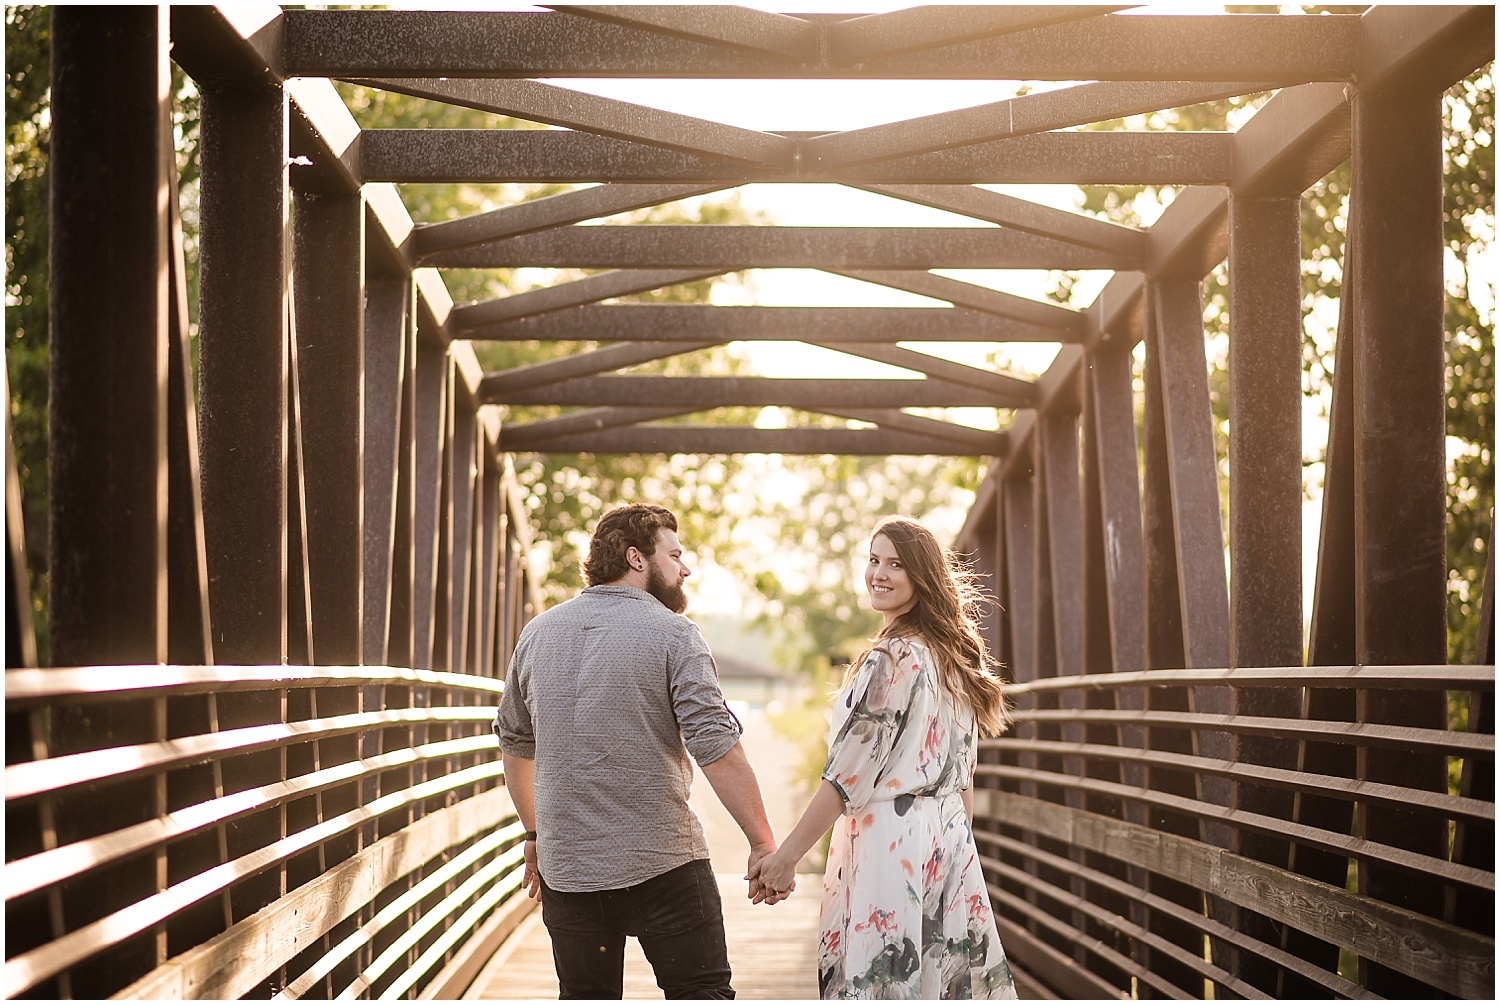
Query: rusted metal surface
687	323
1164	47
734	248
108	404
713	392
534	155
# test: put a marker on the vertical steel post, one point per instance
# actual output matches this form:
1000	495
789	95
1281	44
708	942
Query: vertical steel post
329	266
243	368
385	357
109	313
1265	513
1400	617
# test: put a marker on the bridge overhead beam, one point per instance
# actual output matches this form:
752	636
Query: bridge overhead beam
1168	47
649	439
761	392
537	155
109	306
702	322
730	248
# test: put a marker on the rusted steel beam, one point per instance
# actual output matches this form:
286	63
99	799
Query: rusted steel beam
1403	47
20	636
732	27
1111	410
189	628
1171	47
458	528
1265	432
942	369
544	214
877	36
328	257
107	379
584	364
1188	424
1291	141
560	106
1013	117
982	440
517	437
430	389
729	440
468	317
1020	214
1189	243
979	298
553	155
702	322
386	314
1019	511
1400	509
243	369
402	624
730	248
715	392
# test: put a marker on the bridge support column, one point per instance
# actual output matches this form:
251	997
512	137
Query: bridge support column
329	264
109	308
243	368
1400	509
1265	519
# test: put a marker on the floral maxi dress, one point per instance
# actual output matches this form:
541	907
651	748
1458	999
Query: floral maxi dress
905	910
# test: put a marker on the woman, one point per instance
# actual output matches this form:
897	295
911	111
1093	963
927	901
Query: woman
905	910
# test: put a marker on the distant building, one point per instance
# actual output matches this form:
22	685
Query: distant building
754	683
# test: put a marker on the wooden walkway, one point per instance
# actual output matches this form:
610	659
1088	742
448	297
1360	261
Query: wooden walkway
773	951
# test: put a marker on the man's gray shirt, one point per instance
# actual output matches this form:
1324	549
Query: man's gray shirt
609	693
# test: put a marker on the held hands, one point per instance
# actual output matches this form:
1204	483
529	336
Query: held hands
772	875
760	891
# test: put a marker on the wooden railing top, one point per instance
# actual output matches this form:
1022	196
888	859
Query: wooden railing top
115	683
1440	678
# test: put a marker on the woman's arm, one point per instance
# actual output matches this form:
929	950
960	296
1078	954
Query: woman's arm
777	871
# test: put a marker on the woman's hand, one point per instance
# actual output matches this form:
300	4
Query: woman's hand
776	874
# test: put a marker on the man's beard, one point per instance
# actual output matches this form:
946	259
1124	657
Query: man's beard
672	597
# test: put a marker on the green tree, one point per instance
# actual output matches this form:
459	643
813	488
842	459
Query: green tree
28	62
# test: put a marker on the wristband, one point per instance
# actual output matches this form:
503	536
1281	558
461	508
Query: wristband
531	835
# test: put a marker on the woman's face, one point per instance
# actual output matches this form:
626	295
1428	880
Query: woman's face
891	592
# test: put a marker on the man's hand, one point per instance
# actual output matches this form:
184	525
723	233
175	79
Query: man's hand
775	875
760	892
531	879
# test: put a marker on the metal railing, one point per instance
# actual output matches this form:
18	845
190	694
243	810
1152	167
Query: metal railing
1126	859
355	841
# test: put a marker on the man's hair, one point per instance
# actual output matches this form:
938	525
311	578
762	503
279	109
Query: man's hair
619	530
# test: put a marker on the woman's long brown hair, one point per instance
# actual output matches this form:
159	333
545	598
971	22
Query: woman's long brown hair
944	614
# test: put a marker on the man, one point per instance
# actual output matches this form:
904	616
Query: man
606	697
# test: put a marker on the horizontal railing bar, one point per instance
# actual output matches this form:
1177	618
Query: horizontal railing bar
366	933
26	970
1328	731
56	774
1437	677
1274	954
412	936
1124	926
1433	951
1343	844
30	874
467	922
233	963
1021	909
119	683
1458	807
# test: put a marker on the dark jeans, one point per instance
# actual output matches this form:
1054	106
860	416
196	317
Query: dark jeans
676	916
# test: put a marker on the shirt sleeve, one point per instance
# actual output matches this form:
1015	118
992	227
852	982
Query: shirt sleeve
709	729
513	726
879	702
